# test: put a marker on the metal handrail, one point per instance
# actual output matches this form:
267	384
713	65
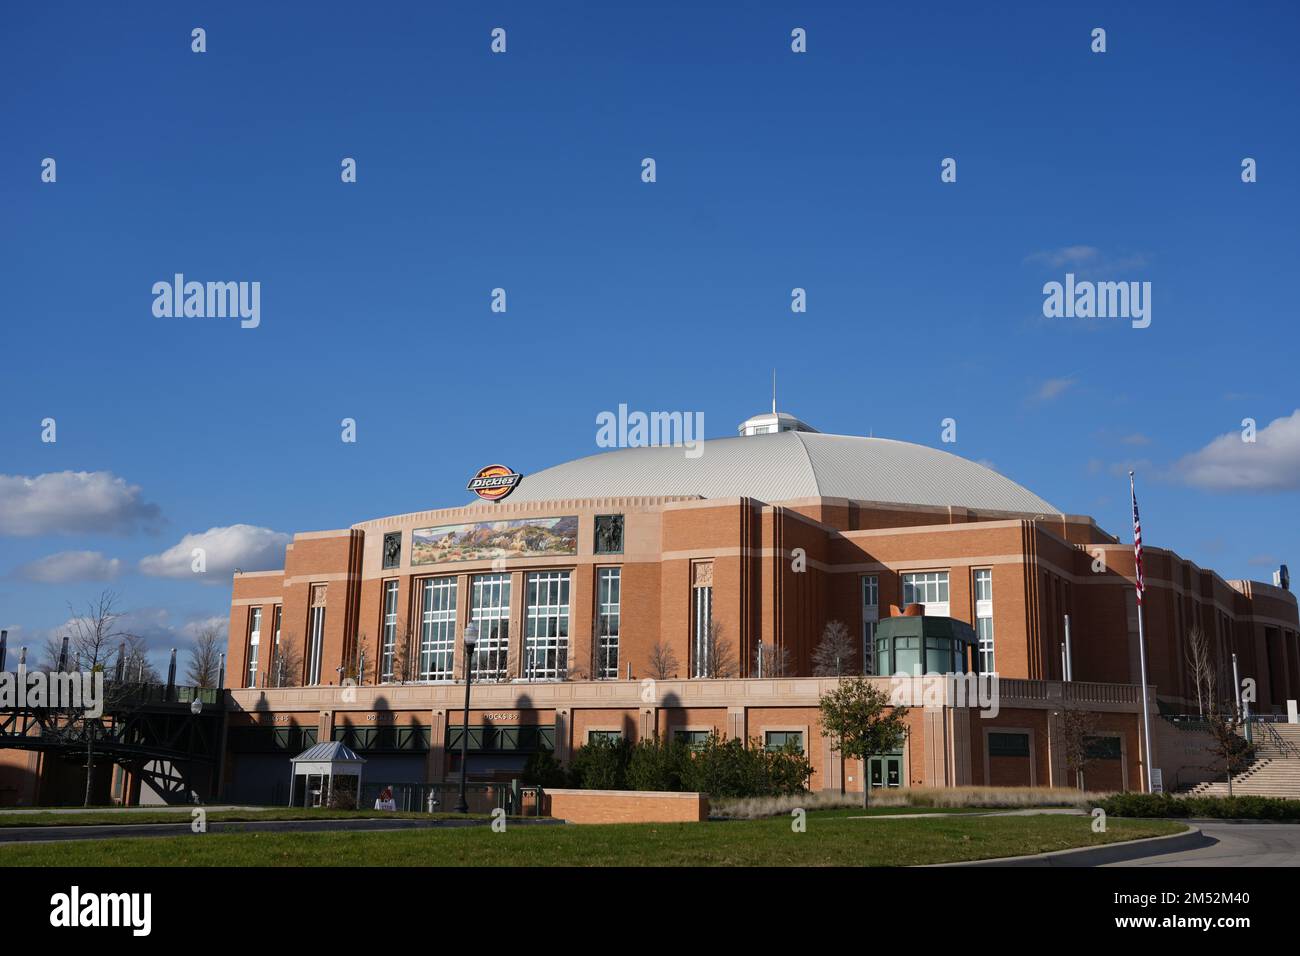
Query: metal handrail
1279	741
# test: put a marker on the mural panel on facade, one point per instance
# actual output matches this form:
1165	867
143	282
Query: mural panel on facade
512	538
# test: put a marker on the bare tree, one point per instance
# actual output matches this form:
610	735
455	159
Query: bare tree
662	663
403	656
1228	744
361	654
1200	666
204	667
286	669
719	655
92	638
836	655
1227	740
1077	727
52	651
512	668
494	662
136	667
569	671
772	661
604	657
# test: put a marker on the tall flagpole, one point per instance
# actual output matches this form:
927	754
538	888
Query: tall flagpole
1142	641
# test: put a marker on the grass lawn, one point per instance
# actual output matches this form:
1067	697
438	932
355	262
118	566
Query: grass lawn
830	840
891	811
133	817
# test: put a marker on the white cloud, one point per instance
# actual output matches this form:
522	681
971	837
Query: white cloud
196	626
1054	388
1087	260
242	546
1270	463
1066	255
1137	438
68	566
161	628
73	502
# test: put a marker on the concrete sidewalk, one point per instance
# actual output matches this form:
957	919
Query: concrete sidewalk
1110	854
117	831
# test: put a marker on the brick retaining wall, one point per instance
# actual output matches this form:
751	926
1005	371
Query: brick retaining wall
626	806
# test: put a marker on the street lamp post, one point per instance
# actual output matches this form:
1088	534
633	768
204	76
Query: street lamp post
471	638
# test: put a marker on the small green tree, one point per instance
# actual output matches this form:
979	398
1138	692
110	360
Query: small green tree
862	724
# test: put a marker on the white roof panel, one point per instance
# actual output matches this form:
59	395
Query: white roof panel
785	466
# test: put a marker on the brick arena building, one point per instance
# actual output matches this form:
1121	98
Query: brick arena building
717	570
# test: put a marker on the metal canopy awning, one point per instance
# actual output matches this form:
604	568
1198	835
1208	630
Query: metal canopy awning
330	760
330	755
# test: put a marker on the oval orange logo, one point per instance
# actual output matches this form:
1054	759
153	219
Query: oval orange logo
494	482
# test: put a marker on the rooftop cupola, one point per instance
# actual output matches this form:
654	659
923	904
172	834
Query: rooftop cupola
769	423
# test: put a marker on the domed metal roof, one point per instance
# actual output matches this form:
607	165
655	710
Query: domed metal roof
785	466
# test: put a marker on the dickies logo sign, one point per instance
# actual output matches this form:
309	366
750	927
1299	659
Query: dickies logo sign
494	482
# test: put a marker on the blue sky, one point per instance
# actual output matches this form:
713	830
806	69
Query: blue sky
522	171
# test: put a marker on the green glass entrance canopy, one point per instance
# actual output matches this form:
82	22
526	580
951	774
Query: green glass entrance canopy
924	644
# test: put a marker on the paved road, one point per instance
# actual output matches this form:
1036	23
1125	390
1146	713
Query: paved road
1235	844
117	831
160	808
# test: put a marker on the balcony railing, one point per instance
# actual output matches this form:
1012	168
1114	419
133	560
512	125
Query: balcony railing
1087	692
1021	689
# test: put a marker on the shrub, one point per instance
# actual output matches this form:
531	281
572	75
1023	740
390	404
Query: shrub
342	798
719	768
543	770
657	765
601	765
728	768
1222	808
788	770
722	768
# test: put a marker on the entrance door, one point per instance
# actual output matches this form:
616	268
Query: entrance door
885	771
317	786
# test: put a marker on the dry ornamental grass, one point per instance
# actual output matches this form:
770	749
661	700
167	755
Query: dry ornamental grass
752	808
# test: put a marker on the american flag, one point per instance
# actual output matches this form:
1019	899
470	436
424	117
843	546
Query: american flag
1137	540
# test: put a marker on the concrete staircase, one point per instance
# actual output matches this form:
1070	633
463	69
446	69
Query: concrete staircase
1283	742
1275	772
